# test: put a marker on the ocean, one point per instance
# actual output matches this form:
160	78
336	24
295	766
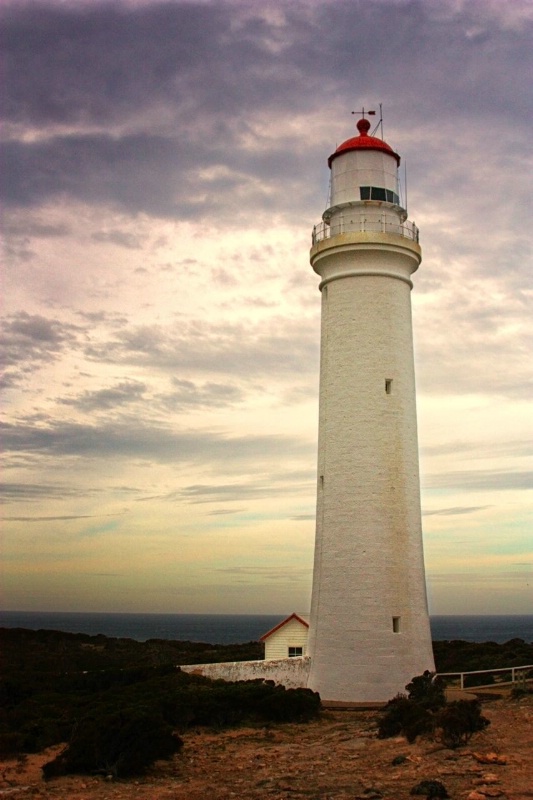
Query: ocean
239	628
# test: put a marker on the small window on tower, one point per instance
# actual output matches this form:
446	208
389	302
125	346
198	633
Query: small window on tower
365	192
295	651
378	193
388	385
396	624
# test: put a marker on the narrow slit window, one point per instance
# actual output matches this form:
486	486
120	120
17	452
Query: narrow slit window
396	624
388	385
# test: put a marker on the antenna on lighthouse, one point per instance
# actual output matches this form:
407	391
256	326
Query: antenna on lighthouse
380	123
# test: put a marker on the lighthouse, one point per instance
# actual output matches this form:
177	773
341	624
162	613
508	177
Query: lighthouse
369	628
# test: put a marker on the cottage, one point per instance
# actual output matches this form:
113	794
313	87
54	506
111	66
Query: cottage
288	639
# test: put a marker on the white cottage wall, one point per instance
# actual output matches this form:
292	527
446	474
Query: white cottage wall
292	634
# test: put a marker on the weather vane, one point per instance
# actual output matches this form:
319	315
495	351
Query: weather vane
363	112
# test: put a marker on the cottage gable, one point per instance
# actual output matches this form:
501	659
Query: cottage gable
288	639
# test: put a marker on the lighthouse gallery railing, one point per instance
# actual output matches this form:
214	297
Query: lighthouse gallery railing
380	225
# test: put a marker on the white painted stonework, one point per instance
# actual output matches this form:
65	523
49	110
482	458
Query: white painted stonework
289	672
369	628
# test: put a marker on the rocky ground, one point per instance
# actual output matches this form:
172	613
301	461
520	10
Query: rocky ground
335	758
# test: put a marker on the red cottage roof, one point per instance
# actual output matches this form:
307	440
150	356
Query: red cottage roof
281	624
363	142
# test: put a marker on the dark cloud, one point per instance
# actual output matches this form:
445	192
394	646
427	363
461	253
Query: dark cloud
50	518
187	394
510	448
30	341
99	62
121	238
231	492
447	512
120	394
13	491
136	438
274	348
480	480
154	95
35	228
279	573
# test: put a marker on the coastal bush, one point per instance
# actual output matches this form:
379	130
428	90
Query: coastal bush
128	730
406	717
425	711
11	743
460	656
458	721
122	745
427	691
483	679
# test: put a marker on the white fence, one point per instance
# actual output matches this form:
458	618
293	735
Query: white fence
516	674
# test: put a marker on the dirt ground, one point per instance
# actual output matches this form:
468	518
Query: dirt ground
337	757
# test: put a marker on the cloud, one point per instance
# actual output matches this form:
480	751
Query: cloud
481	480
138	439
276	574
448	512
188	394
30	341
121	238
121	394
127	103
237	492
275	348
50	518
13	491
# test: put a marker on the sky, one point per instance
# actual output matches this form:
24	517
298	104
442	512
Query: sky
163	165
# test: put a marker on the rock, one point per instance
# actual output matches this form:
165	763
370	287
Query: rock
475	795
430	789
486	778
398	760
489	758
490	777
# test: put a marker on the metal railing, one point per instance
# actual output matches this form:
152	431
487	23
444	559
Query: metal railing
381	224
517	674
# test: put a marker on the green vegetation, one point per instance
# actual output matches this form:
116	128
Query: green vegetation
119	703
425	711
457	656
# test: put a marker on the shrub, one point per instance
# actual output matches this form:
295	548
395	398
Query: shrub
404	716
121	744
427	691
517	692
458	721
426	711
483	679
11	743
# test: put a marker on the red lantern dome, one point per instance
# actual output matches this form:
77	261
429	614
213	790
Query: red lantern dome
363	142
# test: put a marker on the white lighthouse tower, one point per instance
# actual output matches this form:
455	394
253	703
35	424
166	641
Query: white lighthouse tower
369	628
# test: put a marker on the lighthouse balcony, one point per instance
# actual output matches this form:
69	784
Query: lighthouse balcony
379	224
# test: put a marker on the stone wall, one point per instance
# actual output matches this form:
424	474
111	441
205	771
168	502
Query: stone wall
289	672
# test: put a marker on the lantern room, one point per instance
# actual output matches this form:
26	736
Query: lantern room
364	183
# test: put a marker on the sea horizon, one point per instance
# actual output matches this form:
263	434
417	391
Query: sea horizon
220	628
